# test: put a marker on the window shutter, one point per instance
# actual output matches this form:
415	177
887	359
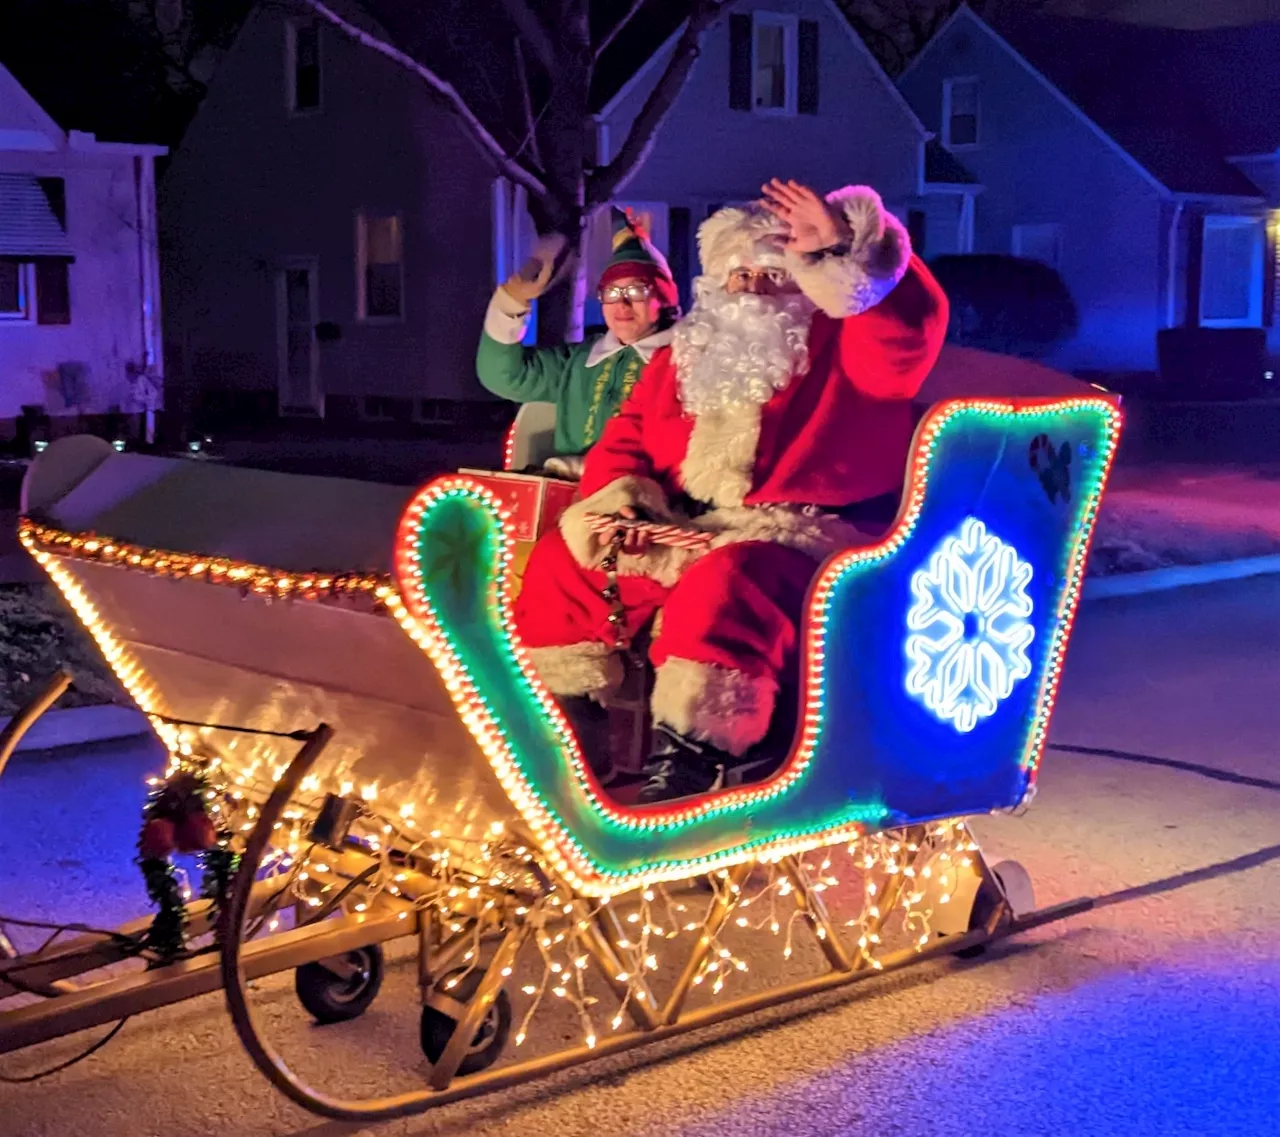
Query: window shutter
740	63
807	95
680	242
53	292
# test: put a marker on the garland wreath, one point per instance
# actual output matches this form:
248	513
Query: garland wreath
177	819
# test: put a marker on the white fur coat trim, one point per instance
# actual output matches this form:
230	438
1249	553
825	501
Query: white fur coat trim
877	260
720	461
576	669
729	709
818	534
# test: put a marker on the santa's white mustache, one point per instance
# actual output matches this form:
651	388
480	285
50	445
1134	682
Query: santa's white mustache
736	348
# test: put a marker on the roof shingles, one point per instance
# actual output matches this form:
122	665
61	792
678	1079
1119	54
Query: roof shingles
1180	103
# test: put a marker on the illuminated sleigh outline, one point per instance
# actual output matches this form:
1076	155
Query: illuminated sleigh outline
605	848
907	726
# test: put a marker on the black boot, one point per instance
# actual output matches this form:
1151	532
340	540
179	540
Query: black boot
590	723
682	767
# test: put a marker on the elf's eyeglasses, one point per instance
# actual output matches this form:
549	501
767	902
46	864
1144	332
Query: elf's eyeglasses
632	293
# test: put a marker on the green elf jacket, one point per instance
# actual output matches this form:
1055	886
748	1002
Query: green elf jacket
587	381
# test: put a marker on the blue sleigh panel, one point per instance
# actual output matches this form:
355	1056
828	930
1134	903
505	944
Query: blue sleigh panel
941	652
929	668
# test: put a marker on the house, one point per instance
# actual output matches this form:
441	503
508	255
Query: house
79	273
1142	163
781	88
332	236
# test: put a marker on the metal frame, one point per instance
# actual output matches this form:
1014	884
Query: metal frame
493	918
650	1023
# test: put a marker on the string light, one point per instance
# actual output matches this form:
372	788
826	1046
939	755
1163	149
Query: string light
194	566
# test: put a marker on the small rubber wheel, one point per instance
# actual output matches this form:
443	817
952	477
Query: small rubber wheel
1016	882
490	1037
344	990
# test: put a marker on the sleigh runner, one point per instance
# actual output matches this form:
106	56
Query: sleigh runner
446	797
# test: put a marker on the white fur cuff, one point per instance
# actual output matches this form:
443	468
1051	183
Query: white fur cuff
878	257
506	320
729	709
576	669
641	493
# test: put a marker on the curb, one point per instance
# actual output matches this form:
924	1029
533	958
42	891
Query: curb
1179	576
80	726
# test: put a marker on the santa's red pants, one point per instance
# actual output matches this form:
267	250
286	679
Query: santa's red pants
729	627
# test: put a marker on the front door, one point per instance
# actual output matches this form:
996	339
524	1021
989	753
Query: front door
297	313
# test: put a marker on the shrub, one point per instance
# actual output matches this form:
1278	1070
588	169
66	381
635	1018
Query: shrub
1006	304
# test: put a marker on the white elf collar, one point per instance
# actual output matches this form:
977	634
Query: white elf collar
609	344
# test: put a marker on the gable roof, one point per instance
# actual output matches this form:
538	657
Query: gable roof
642	39
658	21
1180	103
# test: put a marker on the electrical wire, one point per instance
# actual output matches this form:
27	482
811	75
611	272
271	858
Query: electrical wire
27	1078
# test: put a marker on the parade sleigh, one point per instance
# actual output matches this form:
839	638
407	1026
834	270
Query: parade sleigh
333	665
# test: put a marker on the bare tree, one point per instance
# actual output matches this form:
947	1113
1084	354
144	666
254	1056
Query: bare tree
519	77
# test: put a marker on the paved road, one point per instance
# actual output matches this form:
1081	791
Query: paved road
1154	1014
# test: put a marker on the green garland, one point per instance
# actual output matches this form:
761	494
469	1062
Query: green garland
176	819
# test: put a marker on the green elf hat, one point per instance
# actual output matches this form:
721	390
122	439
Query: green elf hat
634	255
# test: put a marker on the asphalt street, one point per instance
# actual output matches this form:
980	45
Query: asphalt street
1153	1014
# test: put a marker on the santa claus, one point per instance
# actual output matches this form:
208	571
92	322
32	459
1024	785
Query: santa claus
778	421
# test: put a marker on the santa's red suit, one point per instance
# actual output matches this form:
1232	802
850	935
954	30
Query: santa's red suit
766	416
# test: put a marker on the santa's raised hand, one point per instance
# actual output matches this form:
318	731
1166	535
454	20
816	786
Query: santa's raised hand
813	224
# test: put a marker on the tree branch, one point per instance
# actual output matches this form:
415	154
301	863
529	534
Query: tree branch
444	93
531	28
623	21
604	183
530	119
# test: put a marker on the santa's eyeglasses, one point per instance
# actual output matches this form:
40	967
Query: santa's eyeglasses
633	293
745	276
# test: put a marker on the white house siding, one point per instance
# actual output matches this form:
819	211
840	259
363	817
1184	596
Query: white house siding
251	187
114	256
1039	162
708	153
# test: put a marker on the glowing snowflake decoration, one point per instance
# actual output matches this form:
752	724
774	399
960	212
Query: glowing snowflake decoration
969	628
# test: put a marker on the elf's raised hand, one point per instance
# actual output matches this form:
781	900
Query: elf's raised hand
538	273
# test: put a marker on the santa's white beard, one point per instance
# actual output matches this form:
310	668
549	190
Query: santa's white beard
736	350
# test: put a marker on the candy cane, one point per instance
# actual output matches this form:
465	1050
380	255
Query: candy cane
674	535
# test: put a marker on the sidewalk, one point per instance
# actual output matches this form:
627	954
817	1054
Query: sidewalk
1176	514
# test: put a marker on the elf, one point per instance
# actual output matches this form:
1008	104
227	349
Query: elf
587	381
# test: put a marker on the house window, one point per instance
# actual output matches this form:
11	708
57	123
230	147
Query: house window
960	113
1041	243
1231	268
773	63
302	66
35	290
16	291
379	267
